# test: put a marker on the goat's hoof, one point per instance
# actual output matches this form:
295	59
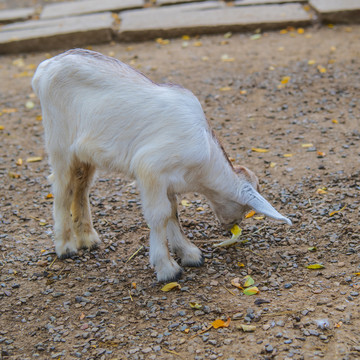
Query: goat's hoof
194	263
168	279
67	255
89	240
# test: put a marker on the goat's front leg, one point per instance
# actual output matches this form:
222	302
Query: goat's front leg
157	211
189	254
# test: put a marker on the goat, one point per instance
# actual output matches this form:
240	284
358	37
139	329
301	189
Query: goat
99	113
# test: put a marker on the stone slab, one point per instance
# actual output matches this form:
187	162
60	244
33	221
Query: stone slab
12	15
38	35
337	11
87	7
265	2
207	18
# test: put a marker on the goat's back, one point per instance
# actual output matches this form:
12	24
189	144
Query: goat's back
109	113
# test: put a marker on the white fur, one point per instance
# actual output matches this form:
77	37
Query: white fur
101	113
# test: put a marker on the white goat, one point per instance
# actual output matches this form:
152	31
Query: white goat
101	113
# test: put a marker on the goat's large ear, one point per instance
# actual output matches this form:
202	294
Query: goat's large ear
249	196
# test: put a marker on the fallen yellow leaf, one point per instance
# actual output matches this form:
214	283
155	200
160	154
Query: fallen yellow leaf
185	202
300	31
185	37
307	145
250	214
195	305
332	213
14	175
334	121
321	191
2	127
311	62
321	69
272	164
236	231
227	58
33	159
19	162
49	196
170	286
285	80
225	88
251	290
221	323
9	110
259	150
315	266
197	43
288	155
248	281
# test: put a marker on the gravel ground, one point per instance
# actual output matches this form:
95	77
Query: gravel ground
295	94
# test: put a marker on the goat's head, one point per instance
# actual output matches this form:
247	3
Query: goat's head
247	198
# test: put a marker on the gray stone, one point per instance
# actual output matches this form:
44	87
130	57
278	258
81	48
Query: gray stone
12	15
36	35
191	19
335	11
87	7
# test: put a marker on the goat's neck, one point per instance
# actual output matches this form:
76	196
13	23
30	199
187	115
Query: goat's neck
220	182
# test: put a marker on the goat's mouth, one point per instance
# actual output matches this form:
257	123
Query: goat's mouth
230	225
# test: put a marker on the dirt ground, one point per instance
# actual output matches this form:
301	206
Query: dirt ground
294	94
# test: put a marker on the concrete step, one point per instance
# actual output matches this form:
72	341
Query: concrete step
88	7
337	11
40	35
207	18
12	15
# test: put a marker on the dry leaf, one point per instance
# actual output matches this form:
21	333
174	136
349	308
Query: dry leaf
246	328
49	196
170	286
287	155
19	162
221	323
2	127
82	316
307	145
236	282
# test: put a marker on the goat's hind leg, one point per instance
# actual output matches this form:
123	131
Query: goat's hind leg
64	236
189	254
87	237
